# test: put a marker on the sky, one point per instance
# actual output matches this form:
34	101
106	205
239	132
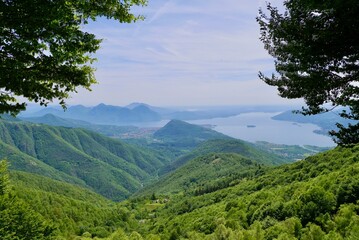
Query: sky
185	53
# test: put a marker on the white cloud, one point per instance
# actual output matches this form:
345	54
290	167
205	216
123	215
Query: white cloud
184	52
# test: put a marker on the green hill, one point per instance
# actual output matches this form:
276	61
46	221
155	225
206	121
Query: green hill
241	147
214	164
183	134
205	173
107	166
177	138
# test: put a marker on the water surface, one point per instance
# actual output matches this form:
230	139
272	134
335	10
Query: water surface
258	126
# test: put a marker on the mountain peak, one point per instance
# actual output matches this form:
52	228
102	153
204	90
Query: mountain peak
136	104
177	129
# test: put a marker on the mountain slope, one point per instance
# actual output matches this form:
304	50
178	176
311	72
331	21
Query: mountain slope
24	162
212	165
316	198
205	173
71	209
110	167
220	196
241	147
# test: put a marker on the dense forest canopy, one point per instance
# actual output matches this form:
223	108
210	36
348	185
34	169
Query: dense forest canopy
44	54
316	51
315	198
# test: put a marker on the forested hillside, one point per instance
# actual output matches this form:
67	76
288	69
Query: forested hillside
107	166
205	173
71	210
243	148
315	198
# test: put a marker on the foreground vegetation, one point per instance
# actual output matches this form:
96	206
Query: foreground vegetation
311	199
316	198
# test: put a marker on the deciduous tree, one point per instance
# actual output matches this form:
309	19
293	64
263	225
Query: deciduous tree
17	219
44	53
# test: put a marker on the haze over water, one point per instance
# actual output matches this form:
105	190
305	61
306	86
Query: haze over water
258	126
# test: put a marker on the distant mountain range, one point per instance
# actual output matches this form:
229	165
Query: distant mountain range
103	114
142	113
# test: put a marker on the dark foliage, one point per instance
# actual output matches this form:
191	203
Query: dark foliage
316	51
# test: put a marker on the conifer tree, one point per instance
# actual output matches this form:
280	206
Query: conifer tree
316	51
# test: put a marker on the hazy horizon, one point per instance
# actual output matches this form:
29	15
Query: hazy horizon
31	105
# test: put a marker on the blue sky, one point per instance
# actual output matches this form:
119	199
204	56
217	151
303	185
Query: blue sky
198	52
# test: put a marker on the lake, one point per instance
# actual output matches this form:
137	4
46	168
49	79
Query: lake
258	126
